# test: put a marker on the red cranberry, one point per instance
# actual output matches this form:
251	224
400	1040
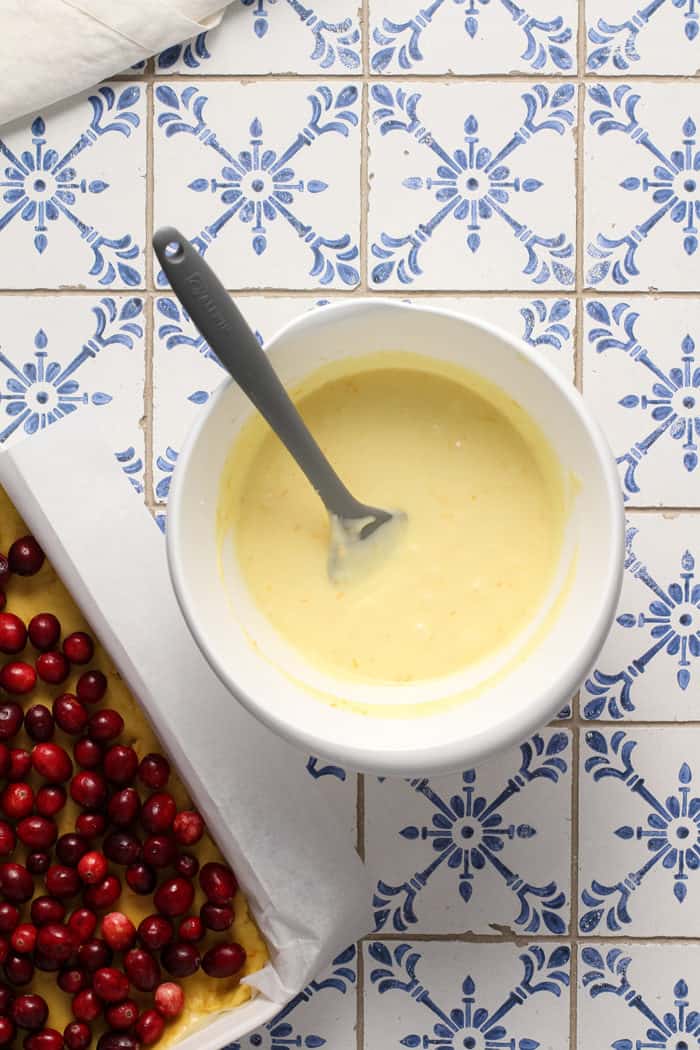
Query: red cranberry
191	929
8	839
13	634
46	1039
37	832
4	760
4	577
158	812
23	939
7	1030
38	721
124	807
159	851
17	677
20	764
180	959
19	969
94	955
92	867
56	942
79	647
52	667
90	825
154	771
122	1016
88	753
155	932
104	894
119	931
50	800
141	879
38	862
169	999
72	981
105	725
25	556
44	631
117	1041
89	789
142	969
17	800
121	847
62	881
110	984
70	848
86	1006
30	1011
149	1027
187	865
188	827
3	598
218	883
11	718
46	910
83	923
52	762
120	764
77	1035
4	948
71	716
223	960
16	883
174	896
7	997
9	917
216	917
91	687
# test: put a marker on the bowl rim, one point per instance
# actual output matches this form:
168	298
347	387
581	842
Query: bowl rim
450	754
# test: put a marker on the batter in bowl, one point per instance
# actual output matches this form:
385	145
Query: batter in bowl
482	491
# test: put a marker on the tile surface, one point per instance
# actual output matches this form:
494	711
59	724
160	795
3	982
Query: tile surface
536	166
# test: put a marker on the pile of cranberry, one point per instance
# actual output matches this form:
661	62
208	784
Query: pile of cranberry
117	836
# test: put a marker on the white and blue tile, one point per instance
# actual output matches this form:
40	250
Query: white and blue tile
263	178
323	1014
639	996
641	376
660	37
273	36
642	176
60	355
472	186
639	844
649	668
73	186
451	36
466	997
480	852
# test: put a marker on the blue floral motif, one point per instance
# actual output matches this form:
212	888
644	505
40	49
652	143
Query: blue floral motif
672	399
258	185
41	391
470	1024
318	771
41	185
473	185
468	833
672	622
608	975
333	42
398	43
673	184
671	833
284	1031
166	464
547	325
617	41
132	465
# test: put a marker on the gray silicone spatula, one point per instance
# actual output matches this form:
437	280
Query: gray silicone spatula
221	323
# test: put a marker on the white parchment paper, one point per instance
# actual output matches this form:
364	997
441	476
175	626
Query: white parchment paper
307	887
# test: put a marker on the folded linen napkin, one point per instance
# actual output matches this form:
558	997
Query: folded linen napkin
49	49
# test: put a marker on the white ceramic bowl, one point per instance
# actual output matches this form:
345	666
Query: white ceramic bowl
276	684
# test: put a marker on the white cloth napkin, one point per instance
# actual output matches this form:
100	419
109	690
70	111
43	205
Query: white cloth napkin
49	49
